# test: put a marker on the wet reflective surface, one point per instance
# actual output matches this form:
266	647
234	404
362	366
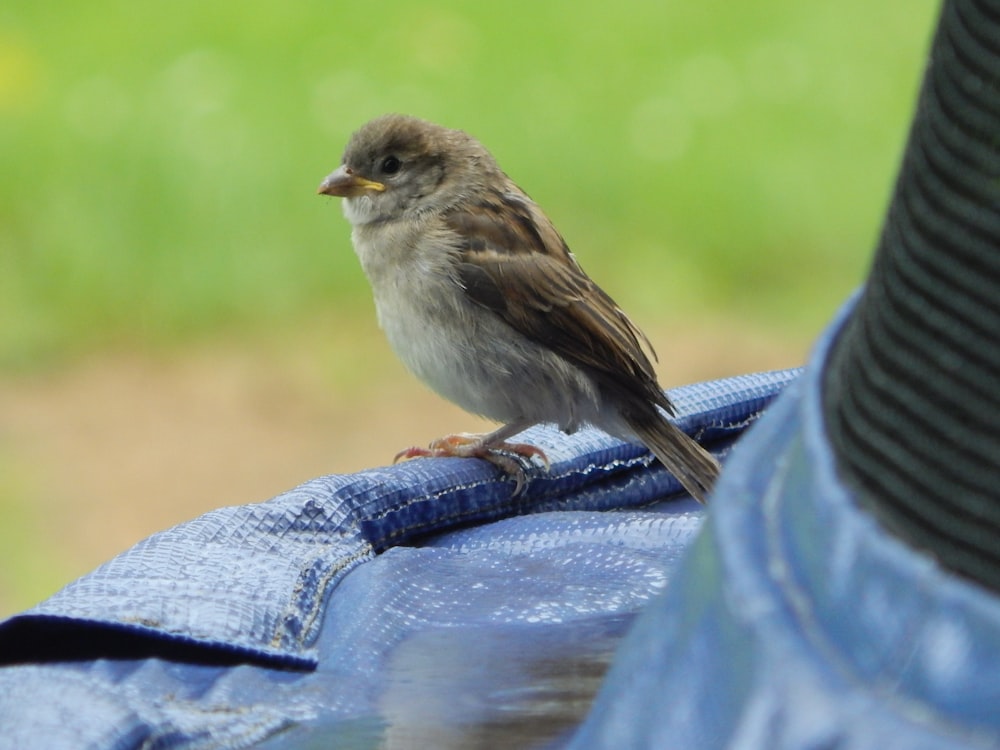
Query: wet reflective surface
518	686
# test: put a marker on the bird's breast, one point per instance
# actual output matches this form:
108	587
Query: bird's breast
462	350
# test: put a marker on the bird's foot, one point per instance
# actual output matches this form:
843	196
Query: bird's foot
510	458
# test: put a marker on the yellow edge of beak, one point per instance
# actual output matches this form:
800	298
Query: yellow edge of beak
344	184
370	184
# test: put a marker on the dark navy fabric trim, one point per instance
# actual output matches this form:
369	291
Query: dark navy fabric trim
250	583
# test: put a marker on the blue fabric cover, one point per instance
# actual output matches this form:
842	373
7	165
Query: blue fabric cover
796	622
424	606
422	599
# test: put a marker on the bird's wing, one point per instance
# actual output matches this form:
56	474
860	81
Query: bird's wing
515	263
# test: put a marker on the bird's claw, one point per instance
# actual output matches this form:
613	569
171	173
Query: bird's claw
511	458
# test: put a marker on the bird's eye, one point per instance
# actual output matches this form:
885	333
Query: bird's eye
391	165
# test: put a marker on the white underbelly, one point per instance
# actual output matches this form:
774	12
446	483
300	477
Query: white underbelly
471	357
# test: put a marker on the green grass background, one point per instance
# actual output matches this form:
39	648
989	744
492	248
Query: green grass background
158	161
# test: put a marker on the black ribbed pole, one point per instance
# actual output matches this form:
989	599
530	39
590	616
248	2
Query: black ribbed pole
913	387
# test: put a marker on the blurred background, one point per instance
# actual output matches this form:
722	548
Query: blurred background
183	323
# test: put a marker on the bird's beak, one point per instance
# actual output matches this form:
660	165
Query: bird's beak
345	184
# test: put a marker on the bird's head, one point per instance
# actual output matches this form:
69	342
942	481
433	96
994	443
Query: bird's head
396	166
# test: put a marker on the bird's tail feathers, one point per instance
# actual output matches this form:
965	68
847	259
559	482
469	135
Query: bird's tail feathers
694	467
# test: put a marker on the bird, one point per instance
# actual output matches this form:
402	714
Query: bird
481	298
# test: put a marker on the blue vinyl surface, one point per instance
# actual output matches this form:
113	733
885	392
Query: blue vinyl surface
422	598
424	605
796	621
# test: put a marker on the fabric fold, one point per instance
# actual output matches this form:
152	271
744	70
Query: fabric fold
250	583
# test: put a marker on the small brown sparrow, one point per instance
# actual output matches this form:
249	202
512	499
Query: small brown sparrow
482	299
